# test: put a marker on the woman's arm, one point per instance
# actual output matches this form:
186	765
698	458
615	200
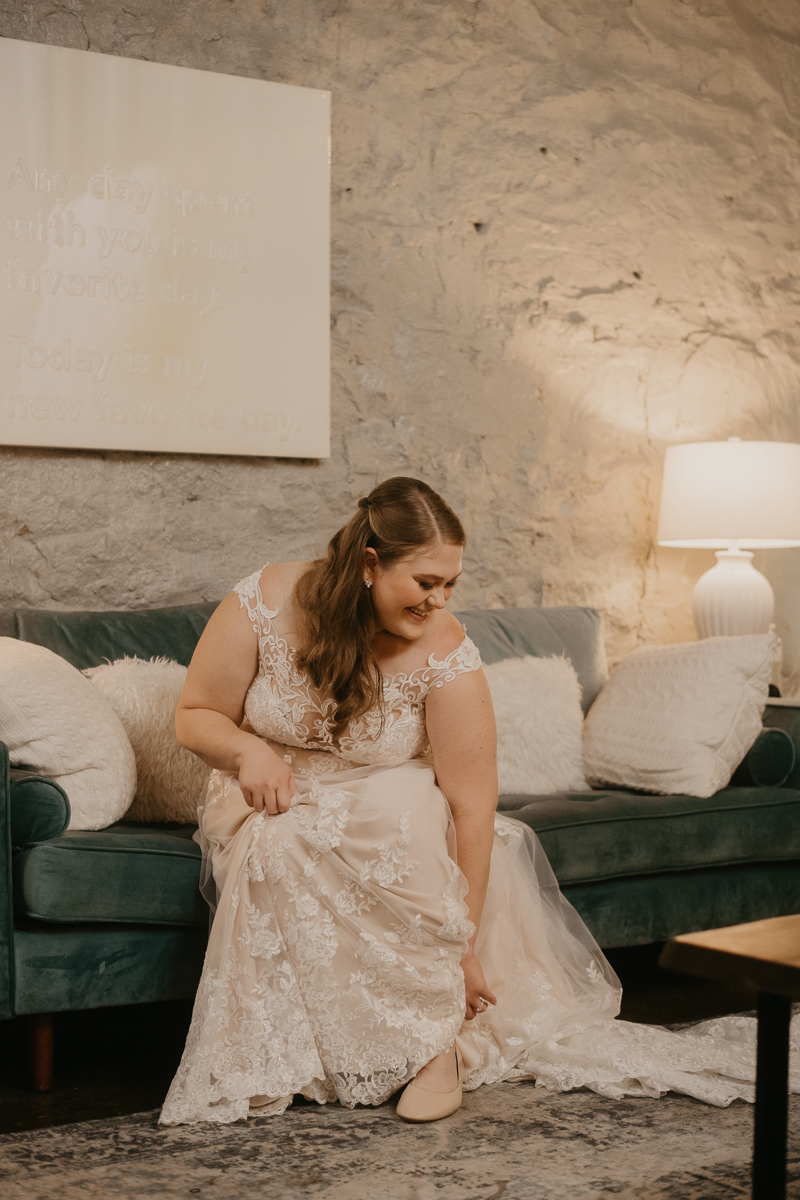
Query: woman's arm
211	709
460	722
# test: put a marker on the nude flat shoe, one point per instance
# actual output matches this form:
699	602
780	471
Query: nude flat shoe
416	1105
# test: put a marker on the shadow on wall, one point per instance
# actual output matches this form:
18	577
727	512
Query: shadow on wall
778	420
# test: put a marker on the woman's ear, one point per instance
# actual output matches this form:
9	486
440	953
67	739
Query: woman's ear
371	561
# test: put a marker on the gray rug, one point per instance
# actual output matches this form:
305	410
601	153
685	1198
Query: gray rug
511	1141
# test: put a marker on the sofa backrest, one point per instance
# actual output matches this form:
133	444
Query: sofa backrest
87	639
576	633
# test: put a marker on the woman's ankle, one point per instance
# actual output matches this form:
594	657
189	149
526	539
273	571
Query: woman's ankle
440	1074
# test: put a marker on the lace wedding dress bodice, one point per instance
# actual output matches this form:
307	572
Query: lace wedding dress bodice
283	706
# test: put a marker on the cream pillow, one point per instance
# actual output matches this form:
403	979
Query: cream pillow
144	695
537	706
679	719
55	722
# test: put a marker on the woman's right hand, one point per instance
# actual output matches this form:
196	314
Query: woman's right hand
266	781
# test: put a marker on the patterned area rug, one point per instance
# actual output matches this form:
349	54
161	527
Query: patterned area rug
511	1141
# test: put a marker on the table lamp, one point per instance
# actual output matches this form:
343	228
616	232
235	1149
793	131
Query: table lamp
732	497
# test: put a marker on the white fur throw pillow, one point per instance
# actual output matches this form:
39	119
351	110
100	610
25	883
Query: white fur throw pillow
679	719
54	721
144	695
537	705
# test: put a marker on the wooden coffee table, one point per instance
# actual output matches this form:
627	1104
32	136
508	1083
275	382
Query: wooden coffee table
764	956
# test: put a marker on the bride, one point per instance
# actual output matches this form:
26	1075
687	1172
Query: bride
377	924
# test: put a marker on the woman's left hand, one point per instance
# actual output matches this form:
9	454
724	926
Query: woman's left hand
475	986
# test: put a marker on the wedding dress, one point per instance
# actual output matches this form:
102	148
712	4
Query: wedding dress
333	964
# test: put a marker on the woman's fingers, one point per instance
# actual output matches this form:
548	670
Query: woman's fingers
282	794
477	1004
478	994
271	798
266	780
259	801
271	804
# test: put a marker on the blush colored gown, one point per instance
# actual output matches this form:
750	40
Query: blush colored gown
333	964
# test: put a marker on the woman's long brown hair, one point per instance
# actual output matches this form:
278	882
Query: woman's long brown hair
398	517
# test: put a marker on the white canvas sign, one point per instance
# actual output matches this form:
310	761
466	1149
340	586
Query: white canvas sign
165	257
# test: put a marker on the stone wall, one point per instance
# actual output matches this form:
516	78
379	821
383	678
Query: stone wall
564	237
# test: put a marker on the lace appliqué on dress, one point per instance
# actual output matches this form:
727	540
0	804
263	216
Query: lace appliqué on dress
282	705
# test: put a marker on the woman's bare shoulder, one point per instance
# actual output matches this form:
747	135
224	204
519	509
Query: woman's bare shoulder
277	581
444	637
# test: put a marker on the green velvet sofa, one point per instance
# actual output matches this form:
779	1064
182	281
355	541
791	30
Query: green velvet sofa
115	917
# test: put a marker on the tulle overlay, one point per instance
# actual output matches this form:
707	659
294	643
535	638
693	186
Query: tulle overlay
333	965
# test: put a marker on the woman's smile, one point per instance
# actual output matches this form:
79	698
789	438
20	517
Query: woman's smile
426	578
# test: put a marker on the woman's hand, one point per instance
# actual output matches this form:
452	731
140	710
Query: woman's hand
267	782
475	986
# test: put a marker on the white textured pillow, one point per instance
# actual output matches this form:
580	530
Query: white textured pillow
679	719
54	721
144	695
537	705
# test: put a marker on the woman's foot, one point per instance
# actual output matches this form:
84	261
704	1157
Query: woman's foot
440	1074
435	1091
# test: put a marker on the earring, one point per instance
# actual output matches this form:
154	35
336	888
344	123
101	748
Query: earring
368	583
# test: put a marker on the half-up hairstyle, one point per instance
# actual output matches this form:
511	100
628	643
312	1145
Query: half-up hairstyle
398	517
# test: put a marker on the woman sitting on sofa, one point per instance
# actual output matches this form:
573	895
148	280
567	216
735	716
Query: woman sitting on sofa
377	924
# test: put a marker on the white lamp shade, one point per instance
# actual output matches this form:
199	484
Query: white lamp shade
718	493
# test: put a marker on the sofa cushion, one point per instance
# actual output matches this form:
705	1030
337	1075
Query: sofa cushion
170	780
537	710
679	718
577	633
610	834
55	722
87	639
132	874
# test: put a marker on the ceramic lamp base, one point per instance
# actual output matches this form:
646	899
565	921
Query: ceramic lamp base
732	598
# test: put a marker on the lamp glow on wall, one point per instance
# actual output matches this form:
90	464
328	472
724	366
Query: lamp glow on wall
732	497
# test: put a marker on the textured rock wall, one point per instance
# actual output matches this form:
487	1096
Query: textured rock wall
564	236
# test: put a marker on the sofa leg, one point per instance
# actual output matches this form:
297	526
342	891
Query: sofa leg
41	1037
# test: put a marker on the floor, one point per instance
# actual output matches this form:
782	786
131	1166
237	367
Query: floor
507	1142
119	1061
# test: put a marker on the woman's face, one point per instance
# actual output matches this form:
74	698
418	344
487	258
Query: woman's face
407	592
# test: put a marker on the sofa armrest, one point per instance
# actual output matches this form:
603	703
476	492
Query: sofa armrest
787	719
6	892
769	762
39	808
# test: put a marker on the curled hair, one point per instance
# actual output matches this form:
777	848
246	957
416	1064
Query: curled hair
398	517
